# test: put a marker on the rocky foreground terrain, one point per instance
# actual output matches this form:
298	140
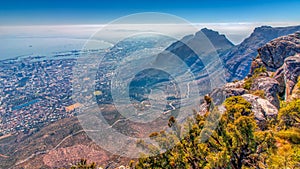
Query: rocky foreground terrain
273	77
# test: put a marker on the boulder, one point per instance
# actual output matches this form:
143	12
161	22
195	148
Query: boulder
270	87
262	109
228	90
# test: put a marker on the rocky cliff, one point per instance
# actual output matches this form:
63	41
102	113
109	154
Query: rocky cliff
238	59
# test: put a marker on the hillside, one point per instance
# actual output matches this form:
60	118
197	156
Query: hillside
58	145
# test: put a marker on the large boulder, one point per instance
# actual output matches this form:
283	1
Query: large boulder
270	87
228	90
262	109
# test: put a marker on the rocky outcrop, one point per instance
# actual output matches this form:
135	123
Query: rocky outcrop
238	59
281	56
291	72
262	109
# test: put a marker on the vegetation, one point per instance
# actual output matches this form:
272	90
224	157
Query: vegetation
259	93
257	72
289	115
235	143
82	164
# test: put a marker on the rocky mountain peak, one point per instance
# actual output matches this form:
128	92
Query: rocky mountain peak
219	41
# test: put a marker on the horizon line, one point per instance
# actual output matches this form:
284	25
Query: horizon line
193	23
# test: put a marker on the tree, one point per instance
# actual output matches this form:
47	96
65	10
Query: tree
82	164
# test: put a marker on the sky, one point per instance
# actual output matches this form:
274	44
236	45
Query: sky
53	12
33	27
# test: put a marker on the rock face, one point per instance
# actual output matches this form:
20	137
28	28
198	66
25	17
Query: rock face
261	108
275	52
238	59
291	73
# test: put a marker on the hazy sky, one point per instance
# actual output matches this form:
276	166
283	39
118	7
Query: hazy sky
28	12
43	26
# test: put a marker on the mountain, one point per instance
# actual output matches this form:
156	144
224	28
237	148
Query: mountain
198	40
200	53
238	59
219	41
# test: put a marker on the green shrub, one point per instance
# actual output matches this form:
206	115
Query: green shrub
256	73
248	83
289	114
292	135
259	70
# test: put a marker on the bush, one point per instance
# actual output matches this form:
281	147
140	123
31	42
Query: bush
248	83
292	135
256	73
289	114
